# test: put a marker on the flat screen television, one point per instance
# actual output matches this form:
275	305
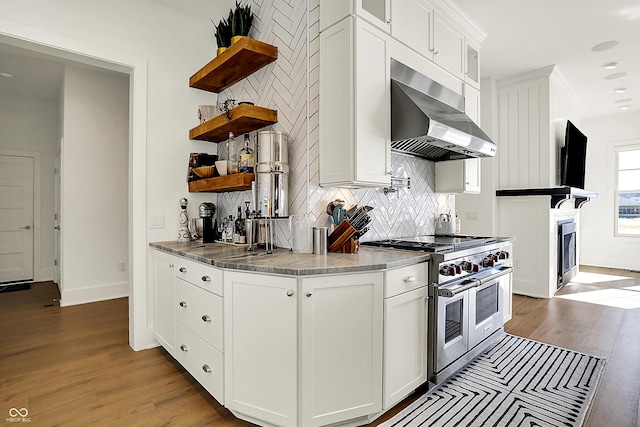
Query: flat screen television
573	157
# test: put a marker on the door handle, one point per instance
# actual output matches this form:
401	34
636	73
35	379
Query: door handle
57	227
26	227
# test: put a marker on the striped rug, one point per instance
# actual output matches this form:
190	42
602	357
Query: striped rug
519	382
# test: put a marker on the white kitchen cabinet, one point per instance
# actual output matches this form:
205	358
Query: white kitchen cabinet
448	45
197	309
201	360
354	110
417	24
261	347
458	176
405	332
375	12
165	318
472	103
472	63
341	347
412	25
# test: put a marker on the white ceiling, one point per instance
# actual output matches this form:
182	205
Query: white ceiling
35	75
522	35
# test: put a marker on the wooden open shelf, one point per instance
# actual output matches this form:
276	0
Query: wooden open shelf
244	118
243	58
221	184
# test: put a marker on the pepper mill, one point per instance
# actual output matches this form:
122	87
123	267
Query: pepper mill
183	219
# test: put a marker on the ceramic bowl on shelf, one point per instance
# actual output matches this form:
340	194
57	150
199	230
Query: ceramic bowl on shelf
204	171
222	167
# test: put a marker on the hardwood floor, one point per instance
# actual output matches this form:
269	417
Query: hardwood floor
597	313
73	366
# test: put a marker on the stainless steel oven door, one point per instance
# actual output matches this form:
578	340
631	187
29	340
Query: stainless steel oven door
452	328
486	307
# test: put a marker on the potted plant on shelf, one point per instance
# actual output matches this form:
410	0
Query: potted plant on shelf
223	35
240	21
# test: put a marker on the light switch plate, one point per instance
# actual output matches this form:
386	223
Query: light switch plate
156	221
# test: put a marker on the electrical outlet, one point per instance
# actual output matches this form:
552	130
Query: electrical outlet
122	266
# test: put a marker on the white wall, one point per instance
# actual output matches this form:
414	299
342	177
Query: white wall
599	245
31	125
162	48
94	216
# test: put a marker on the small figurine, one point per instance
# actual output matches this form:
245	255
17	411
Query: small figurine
183	219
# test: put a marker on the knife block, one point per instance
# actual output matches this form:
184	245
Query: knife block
342	236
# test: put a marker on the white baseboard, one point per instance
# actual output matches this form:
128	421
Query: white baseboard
94	294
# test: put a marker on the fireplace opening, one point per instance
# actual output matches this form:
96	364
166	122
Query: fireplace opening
567	262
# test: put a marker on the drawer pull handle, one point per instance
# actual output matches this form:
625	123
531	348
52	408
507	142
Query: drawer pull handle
206	278
410	279
182	270
206	318
289	293
184	348
183	304
207	369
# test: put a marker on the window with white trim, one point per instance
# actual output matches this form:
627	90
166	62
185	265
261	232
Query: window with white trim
628	191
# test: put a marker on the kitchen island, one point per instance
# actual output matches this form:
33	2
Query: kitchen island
295	339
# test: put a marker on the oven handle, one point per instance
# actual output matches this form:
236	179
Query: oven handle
500	273
472	283
450	293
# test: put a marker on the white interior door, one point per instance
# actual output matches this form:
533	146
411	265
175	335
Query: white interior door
57	220
16	219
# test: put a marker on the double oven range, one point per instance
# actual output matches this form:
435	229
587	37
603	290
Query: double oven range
468	277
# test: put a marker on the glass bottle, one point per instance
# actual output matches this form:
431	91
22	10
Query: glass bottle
232	162
229	230
238	226
246	160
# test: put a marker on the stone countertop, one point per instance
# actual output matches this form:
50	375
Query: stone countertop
283	261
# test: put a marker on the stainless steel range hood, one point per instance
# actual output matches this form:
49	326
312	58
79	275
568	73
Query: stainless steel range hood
428	120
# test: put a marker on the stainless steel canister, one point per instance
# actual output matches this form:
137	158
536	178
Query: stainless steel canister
320	240
272	175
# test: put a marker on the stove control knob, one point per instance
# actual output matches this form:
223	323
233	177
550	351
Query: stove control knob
458	269
503	255
488	261
475	267
466	265
447	270
495	258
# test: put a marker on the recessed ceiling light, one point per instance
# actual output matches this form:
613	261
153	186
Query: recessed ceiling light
605	46
623	100
3	74
620	90
615	76
624	107
610	65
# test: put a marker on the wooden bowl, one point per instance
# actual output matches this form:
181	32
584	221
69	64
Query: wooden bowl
204	171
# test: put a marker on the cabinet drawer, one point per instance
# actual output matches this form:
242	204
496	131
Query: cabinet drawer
204	276
202	361
404	279
199	311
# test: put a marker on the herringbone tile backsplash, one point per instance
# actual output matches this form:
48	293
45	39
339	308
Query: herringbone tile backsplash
290	86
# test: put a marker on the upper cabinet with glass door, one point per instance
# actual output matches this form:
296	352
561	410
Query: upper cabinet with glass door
375	12
472	64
